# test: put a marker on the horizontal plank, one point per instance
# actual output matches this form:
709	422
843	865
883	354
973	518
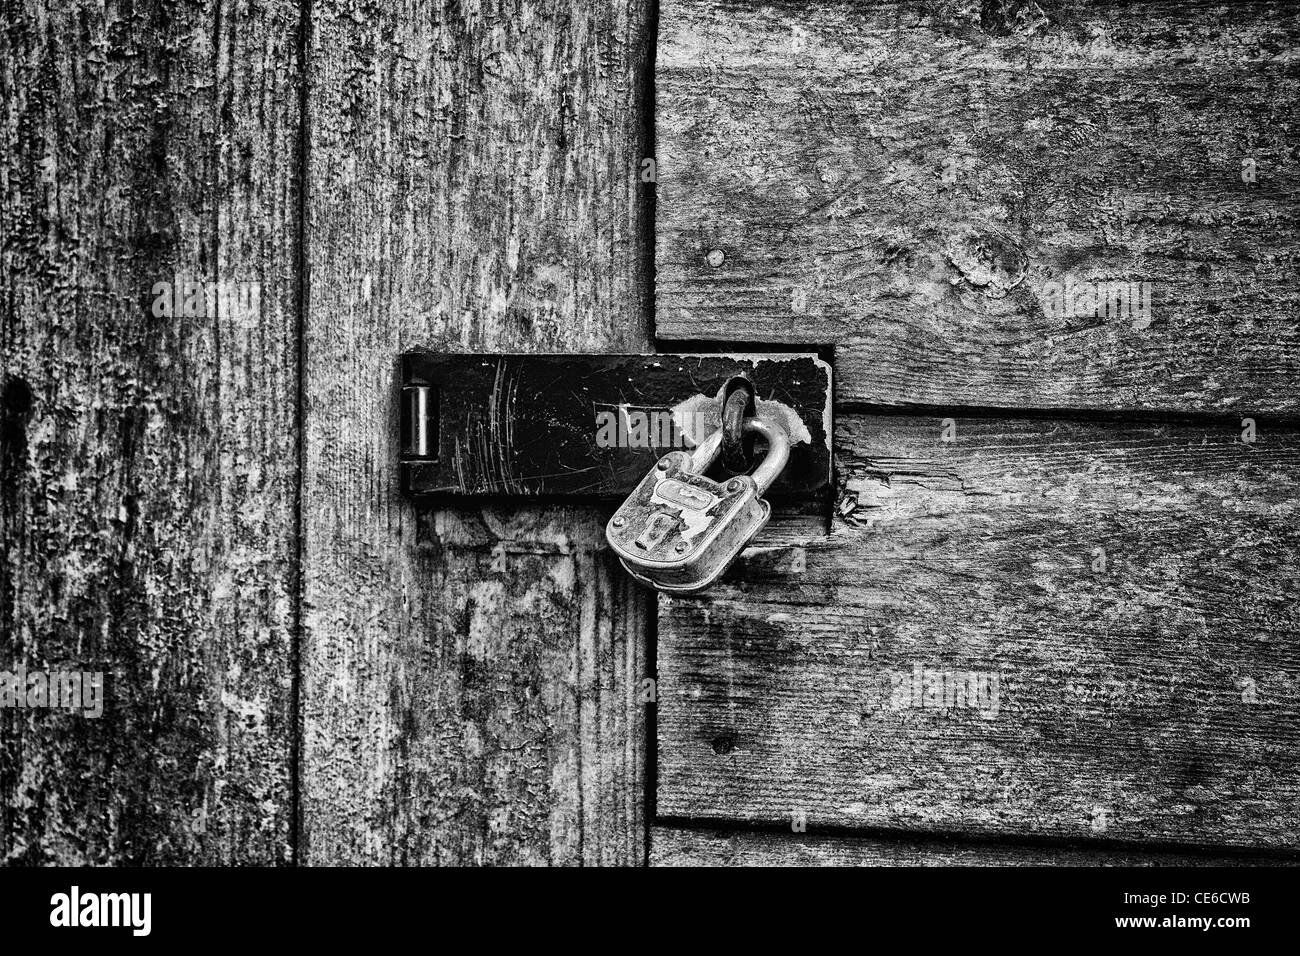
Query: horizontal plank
956	198
1038	627
678	846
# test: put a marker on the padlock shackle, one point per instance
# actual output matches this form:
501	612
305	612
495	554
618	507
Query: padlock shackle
778	452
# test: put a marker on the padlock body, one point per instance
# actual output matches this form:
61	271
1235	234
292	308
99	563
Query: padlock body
679	531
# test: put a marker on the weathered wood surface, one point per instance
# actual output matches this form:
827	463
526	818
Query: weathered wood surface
147	463
471	678
1131	588
907	180
676	846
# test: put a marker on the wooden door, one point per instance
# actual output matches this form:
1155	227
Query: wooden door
204	505
1050	615
1053	249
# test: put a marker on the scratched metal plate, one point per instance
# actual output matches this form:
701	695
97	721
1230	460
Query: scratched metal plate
591	426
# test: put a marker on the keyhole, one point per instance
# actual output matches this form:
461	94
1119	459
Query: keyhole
657	528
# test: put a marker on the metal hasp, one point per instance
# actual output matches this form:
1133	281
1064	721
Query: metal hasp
589	427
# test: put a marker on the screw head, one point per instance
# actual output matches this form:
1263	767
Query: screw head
662	464
681	547
618	522
733	484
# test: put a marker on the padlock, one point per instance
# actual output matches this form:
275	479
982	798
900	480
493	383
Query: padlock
680	530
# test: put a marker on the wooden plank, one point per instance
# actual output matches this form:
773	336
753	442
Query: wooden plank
920	183
471	676
148	463
1041	627
677	846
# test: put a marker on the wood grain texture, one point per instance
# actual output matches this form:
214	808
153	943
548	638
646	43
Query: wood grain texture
1130	588
147	462
675	846
908	180
471	677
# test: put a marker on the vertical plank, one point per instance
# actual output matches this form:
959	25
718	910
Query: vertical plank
148	461
469	675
